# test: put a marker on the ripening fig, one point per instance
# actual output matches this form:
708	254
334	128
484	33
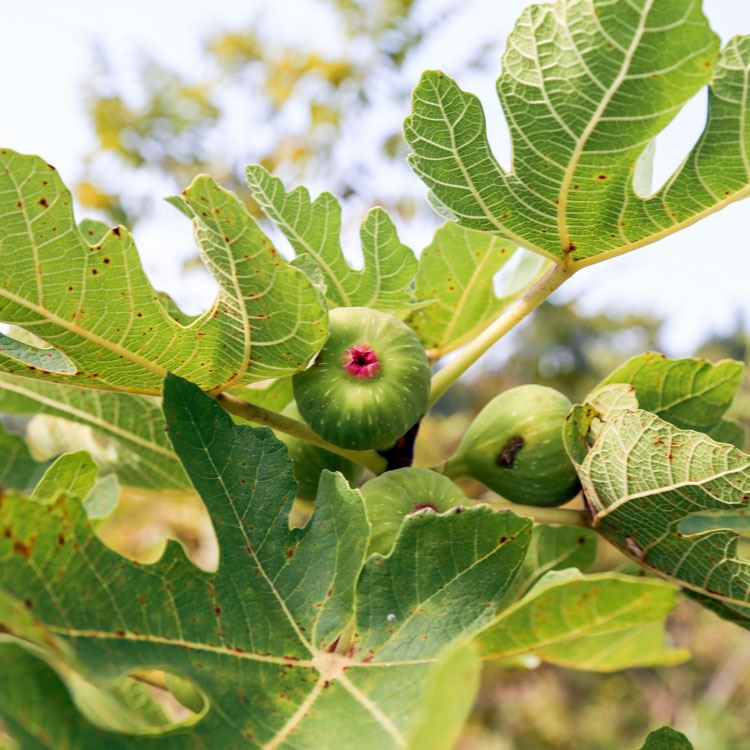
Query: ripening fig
309	461
369	383
515	447
392	496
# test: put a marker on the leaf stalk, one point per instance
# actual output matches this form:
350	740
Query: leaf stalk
507	320
554	516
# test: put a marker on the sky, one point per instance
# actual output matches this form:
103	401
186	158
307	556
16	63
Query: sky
697	279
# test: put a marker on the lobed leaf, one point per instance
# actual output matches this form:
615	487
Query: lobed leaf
690	393
586	85
455	280
600	622
313	227
643	478
289	643
107	326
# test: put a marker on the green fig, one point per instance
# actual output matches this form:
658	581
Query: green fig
392	496
309	461
515	447
369	383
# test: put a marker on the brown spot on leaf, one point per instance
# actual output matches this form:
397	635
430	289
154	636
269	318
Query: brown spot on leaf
23	549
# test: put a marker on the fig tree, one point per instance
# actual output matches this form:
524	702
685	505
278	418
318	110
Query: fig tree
392	496
309	461
515	447
369	383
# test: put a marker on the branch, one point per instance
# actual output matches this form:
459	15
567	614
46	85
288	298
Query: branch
253	413
555	516
508	319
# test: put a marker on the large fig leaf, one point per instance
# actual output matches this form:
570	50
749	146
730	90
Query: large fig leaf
643	477
295	640
455	279
585	87
600	622
131	428
313	227
94	305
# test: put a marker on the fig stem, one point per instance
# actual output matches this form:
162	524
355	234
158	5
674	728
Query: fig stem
540	514
444	378
254	413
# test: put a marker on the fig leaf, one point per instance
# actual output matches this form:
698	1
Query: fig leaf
109	328
585	88
294	633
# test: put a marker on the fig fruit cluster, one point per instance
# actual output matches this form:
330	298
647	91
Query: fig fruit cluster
369	385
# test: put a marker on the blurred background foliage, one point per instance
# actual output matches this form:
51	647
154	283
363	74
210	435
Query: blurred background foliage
295	104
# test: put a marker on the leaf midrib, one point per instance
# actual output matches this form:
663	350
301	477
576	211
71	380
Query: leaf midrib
578	149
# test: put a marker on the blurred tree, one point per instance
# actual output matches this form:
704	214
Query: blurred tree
572	351
297	103
561	347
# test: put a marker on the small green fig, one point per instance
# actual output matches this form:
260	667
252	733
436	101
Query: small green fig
369	383
515	447
309	461
392	496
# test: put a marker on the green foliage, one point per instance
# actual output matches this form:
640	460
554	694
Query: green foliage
313	227
361	619
689	393
133	345
585	88
599	622
667	739
689	474
355	646
455	278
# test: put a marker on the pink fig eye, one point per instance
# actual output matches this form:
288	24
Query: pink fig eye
361	361
424	506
